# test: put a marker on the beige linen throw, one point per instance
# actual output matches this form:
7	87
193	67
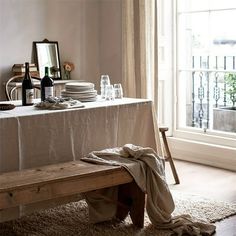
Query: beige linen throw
147	169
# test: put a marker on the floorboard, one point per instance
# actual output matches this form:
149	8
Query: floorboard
210	182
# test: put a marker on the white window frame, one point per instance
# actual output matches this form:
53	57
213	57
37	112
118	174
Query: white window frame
187	143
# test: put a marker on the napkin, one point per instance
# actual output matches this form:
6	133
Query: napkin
55	103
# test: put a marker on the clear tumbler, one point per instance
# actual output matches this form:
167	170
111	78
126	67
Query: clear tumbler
118	91
105	80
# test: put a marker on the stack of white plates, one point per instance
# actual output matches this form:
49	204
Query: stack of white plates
82	91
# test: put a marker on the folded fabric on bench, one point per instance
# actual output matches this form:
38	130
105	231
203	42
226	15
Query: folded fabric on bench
147	169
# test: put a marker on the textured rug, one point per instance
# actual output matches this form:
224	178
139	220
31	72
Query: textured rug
72	219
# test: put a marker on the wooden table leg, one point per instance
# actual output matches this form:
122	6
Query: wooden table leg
133	198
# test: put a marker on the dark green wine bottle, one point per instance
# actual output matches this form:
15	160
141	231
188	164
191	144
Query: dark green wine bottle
27	88
46	86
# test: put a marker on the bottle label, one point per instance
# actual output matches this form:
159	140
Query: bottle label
48	92
29	96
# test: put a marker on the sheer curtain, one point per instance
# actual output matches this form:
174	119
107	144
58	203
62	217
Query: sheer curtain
139	53
139	49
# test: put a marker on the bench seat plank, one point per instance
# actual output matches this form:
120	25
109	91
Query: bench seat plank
52	181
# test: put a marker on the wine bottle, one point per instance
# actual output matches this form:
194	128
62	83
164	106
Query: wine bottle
46	86
27	88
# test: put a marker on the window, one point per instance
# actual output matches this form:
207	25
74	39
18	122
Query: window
197	50
206	55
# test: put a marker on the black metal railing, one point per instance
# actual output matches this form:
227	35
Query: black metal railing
209	88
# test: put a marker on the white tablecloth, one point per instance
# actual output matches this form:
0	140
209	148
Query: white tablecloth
30	137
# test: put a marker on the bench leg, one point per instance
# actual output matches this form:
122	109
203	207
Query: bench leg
168	154
131	196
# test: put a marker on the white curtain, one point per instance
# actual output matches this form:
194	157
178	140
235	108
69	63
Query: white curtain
139	49
139	53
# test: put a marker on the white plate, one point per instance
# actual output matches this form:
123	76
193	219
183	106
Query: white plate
79	86
77	96
79	93
88	99
82	99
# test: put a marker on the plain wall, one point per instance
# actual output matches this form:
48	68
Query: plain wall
110	39
88	33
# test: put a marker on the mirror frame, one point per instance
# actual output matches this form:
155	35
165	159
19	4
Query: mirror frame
36	53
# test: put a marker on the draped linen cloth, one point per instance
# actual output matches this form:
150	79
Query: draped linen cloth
147	169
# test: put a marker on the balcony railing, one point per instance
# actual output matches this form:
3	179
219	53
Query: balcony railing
209	91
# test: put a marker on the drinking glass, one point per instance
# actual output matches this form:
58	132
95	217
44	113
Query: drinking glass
118	91
109	92
105	80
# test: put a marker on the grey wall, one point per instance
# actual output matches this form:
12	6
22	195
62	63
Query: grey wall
88	32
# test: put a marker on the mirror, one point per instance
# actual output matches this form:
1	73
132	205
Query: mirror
47	54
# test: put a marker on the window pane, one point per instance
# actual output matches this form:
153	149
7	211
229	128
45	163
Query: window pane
203	5
223	33
222	4
206	53
206	33
193	5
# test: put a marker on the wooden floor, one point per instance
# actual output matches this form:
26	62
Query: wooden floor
210	182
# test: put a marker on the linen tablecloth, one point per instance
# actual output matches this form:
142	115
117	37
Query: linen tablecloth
30	137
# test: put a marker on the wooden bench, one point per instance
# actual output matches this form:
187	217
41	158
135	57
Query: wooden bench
66	179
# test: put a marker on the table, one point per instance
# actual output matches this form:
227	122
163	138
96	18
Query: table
30	137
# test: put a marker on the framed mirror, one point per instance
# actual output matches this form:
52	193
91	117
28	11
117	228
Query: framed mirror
47	54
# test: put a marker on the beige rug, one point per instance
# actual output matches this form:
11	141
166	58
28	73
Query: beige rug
72	220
